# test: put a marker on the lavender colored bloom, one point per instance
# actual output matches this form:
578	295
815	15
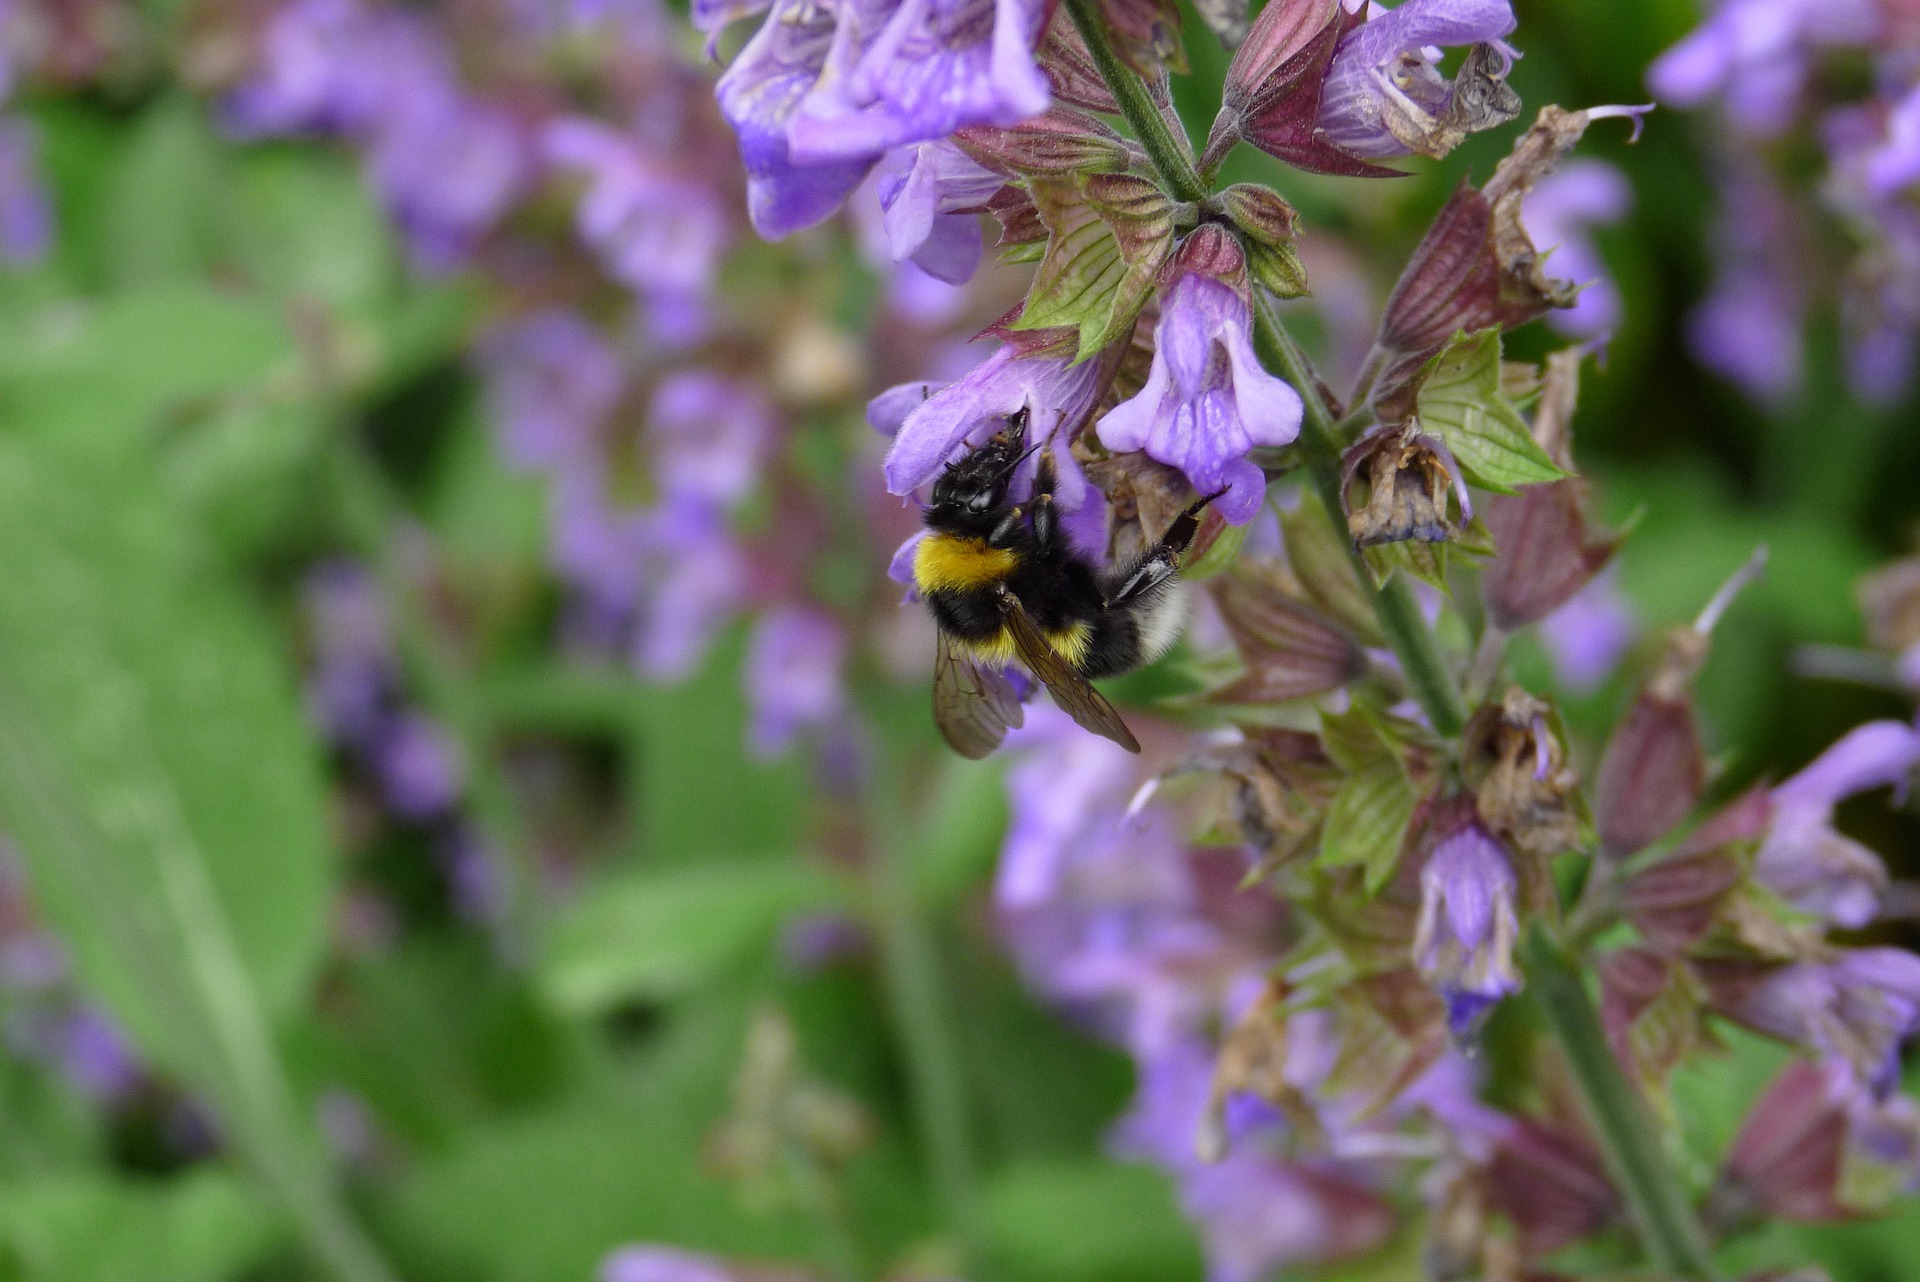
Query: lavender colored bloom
26	213
324	66
1803	859
655	231
711	17
916	70
661	1264
418	767
923	203
758	96
969	411
1463	942
93	1055
448	169
793	677
1207	400
551	379
1386	70
1590	633
693	579
1856	1008
1756	55
1559	213
348	689
709	434
595	548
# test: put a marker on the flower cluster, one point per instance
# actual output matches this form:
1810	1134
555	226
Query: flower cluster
1762	64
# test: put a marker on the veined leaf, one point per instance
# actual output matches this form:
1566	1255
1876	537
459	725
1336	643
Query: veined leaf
1460	402
1108	235
1367	821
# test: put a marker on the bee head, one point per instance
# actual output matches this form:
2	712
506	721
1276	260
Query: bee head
970	496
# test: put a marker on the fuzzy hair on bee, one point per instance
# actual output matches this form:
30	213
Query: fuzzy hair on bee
1005	585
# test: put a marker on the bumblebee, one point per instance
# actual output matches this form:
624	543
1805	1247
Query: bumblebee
1004	585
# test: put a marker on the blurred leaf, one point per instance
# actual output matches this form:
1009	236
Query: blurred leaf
1092	1221
243	472
156	772
202	1226
659	934
303	225
962	830
164	196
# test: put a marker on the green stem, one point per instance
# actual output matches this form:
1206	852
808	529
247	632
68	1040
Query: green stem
1400	619
1169	158
1658	1204
918	1008
1405	628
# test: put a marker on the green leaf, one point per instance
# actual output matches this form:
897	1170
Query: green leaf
660	934
1460	402
1424	561
1108	235
1367	821
1087	1222
203	1226
1318	555
164	789
165	197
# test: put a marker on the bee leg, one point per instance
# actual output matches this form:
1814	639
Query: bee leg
1046	517
1007	533
1162	560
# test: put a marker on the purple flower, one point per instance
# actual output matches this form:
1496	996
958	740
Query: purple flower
793	677
916	70
661	1264
1756	54
418	767
966	413
326	66
1386	71
1856	1008
693	579
709	434
711	17
657	232
1207	400
94	1056
595	548
448	169
1803	859
354	660
923	204
1590	633
1463	942
26	214
1748	328
551	379
758	96
1559	212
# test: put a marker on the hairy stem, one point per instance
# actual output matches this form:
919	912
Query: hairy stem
1400	619
1405	628
1655	1198
918	1008
1169	158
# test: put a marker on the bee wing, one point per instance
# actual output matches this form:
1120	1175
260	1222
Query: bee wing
1069	689
973	706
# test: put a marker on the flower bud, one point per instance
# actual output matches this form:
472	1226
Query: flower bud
1650	1007
1408	476
1787	1159
1552	1185
1291	651
1058	141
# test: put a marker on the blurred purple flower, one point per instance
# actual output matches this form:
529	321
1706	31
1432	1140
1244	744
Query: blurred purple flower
1393	58
923	201
593	547
655	231
709	434
793	677
1590	633
1856	1008
758	95
1208	400
1755	54
1463	942
661	1264
693	579
1748	327
812	942
1559	213
551	380
916	70
476	882
326	66
449	169
353	657
1803	859
26	212
417	766
346	1125
94	1056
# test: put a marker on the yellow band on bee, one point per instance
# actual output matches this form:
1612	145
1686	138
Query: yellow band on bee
944	563
1070	643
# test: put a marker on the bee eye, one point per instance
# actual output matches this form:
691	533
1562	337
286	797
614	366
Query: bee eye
980	502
